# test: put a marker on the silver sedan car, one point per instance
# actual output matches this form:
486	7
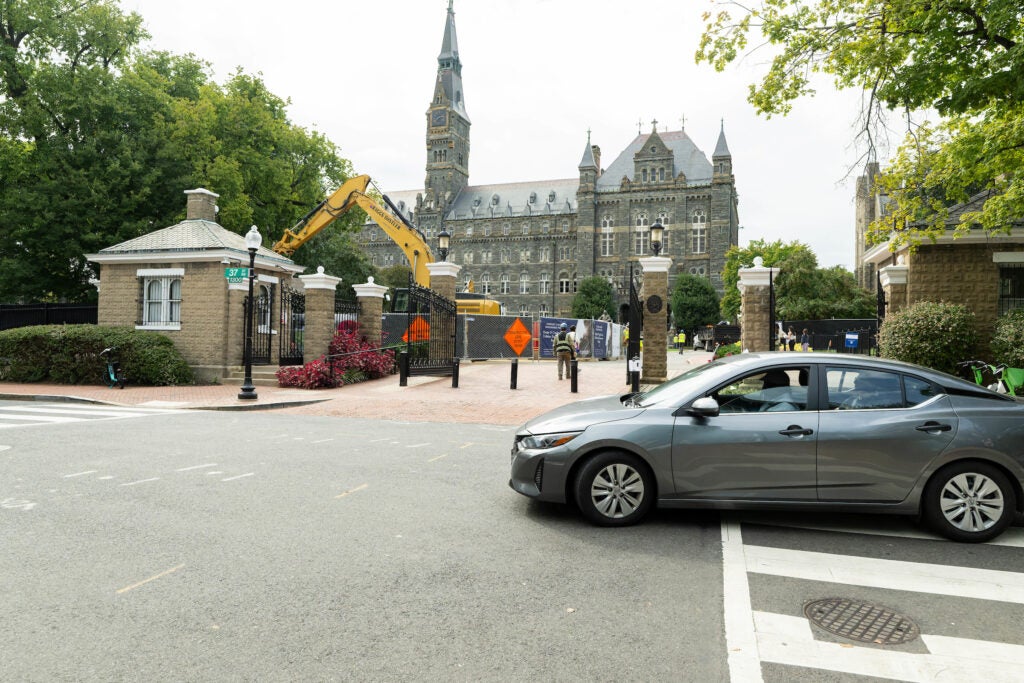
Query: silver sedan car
785	431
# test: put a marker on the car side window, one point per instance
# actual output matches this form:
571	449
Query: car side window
781	389
860	389
918	390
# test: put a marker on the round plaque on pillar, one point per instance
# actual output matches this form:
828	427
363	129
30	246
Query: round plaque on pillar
654	303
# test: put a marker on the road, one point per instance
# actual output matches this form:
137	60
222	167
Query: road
258	546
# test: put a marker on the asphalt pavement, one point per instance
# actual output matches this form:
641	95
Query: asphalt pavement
484	394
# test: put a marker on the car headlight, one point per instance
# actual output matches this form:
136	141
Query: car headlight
543	441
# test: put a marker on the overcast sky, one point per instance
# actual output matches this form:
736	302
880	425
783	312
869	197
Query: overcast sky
537	75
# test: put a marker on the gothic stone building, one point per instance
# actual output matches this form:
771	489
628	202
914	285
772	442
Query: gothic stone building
528	244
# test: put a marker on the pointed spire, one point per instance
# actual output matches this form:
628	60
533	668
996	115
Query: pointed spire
450	43
721	148
588	160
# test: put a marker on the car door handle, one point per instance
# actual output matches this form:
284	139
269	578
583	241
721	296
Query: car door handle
933	427
796	430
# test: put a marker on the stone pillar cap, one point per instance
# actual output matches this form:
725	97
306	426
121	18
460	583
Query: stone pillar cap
320	280
370	289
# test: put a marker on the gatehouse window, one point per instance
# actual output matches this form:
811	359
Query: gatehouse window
161	297
1011	287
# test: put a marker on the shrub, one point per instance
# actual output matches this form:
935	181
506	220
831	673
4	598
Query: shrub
356	360
727	350
70	354
936	335
1008	341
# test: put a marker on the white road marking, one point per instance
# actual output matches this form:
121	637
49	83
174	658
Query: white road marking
345	493
966	582
443	455
80	474
417	445
740	637
39	418
1012	537
84	410
321	440
140	481
152	578
249	474
789	640
197	467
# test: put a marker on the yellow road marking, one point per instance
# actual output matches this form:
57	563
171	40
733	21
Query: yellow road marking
466	445
358	488
152	578
443	455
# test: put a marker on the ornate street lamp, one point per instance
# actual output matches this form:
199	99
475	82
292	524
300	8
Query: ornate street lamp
657	233
444	239
253	239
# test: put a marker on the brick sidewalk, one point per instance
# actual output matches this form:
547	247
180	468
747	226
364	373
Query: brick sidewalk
483	395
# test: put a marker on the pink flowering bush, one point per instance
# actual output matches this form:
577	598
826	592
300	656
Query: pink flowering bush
353	360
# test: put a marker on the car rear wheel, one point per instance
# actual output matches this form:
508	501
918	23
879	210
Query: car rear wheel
970	502
614	489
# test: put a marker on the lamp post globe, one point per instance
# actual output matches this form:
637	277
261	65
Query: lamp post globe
443	242
253	239
657	234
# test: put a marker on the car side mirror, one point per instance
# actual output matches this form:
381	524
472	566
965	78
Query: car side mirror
704	406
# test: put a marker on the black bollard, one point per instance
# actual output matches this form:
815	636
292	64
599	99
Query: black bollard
515	373
634	381
574	376
403	369
455	374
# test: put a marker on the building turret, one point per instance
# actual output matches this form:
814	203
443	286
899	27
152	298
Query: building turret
721	159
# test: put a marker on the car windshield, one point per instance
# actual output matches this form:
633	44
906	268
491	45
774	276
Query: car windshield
678	387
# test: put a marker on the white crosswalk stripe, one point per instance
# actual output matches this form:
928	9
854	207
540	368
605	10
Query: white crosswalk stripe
756	637
12	416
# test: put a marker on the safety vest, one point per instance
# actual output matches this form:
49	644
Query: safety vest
562	343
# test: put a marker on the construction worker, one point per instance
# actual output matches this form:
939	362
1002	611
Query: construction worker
565	350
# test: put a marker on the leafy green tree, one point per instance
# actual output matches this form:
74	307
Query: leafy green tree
395	276
594	296
962	59
803	291
340	256
694	302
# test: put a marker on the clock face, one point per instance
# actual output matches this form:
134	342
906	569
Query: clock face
438	118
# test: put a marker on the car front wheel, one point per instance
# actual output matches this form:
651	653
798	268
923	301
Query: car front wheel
970	502
614	489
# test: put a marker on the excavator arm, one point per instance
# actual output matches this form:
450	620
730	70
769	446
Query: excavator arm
353	193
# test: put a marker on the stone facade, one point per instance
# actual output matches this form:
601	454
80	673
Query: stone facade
656	295
528	244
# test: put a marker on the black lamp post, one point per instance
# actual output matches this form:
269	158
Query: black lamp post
444	239
253	239
657	233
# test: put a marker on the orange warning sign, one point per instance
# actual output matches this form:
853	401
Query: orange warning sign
419	330
517	337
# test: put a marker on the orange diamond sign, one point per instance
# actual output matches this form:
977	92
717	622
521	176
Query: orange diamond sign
419	330
517	337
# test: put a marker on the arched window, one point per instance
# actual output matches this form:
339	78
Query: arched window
564	284
607	236
544	286
505	289
644	175
699	232
485	283
641	235
524	283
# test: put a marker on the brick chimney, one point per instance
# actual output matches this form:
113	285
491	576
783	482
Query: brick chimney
202	205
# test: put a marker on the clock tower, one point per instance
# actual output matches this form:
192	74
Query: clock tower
447	128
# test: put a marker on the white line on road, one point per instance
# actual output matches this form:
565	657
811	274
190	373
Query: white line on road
239	476
740	637
443	455
789	640
345	493
321	440
80	474
197	467
152	578
417	445
83	412
140	481
966	582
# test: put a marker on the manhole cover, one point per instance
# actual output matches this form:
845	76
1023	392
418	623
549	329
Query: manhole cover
861	621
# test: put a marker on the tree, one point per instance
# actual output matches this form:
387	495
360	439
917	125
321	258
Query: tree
340	256
593	297
694	302
961	59
803	291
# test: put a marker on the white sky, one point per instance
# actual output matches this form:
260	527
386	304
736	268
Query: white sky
537	74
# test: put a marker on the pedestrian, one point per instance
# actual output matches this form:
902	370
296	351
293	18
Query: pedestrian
791	339
564	350
805	341
575	341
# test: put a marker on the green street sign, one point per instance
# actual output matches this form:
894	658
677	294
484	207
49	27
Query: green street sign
235	275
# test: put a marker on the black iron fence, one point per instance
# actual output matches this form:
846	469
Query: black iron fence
23	315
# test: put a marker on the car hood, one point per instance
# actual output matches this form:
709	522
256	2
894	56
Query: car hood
580	415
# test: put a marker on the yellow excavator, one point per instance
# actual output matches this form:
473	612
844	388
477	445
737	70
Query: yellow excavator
409	239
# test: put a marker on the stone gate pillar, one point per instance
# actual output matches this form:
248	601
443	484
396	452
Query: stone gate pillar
371	310
443	278
319	317
234	344
756	333
655	298
894	280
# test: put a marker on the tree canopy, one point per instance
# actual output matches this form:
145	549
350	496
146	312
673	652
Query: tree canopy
99	139
593	298
803	291
959	58
694	302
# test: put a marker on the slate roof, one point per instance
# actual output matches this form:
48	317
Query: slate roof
191	236
550	198
687	158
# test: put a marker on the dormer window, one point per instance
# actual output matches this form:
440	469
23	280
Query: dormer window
533	197
476	202
495	199
551	196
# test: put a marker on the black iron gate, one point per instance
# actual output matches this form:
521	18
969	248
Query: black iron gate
262	334
429	332
293	325
635	321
